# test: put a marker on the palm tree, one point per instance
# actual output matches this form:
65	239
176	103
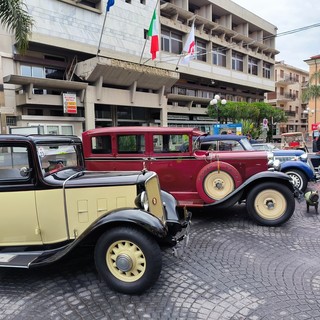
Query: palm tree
313	89
16	19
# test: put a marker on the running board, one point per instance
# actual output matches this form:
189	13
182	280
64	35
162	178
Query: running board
18	260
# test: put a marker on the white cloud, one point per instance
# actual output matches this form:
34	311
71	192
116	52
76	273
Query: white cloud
288	15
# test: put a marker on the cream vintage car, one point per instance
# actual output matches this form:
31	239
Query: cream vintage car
51	205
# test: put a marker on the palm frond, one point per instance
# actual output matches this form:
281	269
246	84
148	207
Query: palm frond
15	17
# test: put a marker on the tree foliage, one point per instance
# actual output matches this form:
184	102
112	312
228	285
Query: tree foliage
14	16
313	88
250	115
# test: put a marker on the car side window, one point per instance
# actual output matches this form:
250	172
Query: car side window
133	143
101	144
230	145
14	163
170	143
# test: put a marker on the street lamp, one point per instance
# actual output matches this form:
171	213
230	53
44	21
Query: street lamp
215	102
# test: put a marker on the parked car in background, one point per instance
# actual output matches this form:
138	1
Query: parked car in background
293	140
50	205
195	177
264	146
294	162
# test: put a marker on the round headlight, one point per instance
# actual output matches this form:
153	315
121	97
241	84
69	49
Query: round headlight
142	201
304	157
270	156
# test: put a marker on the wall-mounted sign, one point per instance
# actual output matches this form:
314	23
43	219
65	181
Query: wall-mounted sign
69	103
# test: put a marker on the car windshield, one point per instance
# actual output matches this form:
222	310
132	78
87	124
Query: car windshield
55	157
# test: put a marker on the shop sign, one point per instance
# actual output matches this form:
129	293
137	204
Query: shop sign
69	103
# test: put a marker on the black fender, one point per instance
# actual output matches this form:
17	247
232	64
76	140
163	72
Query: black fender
240	193
133	216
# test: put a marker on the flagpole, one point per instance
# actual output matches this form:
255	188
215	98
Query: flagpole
104	22
145	42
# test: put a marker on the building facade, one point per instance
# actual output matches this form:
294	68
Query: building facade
314	103
289	84
78	75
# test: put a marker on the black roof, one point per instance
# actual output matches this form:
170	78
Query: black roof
40	138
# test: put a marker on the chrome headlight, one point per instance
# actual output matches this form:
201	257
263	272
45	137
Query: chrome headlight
274	164
270	156
142	201
304	157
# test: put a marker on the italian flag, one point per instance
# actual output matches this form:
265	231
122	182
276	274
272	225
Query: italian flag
154	34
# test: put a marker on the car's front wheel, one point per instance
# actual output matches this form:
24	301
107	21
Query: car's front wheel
270	204
299	179
128	259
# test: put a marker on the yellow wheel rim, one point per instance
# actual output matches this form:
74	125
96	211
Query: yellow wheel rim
218	185
270	204
126	261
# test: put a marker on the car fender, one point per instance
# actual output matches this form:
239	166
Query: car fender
127	216
299	165
239	193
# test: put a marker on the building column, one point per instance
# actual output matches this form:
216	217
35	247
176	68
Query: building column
89	109
164	116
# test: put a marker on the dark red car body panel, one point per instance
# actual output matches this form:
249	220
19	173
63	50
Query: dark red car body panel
178	170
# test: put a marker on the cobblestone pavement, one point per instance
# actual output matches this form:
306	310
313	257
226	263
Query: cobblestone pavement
233	269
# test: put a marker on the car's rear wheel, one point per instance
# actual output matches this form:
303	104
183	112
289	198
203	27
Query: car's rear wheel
270	204
299	179
128	259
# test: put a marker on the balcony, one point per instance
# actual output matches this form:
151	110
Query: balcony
286	80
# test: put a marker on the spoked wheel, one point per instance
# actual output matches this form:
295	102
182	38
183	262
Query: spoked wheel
128	259
299	179
218	185
270	204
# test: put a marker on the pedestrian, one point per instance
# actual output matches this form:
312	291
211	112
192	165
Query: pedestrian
318	140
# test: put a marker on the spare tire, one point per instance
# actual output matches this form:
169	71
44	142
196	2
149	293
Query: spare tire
216	180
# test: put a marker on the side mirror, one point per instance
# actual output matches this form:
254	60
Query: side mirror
24	171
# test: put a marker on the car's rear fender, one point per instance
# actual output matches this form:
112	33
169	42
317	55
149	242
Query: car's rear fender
240	193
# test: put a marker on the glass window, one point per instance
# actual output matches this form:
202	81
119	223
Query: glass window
53	129
253	66
13	158
237	61
67	130
170	143
201	49
266	70
131	143
56	157
219	56
101	144
171	41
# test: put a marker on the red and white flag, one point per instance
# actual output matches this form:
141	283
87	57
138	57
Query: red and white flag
189	47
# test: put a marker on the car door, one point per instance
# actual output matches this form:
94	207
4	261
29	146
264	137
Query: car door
173	161
19	223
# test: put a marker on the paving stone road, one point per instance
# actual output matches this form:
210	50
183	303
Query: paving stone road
233	269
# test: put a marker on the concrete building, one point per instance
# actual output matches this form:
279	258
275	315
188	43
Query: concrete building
73	77
314	104
289	84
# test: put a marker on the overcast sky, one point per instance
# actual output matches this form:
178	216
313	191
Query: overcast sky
288	15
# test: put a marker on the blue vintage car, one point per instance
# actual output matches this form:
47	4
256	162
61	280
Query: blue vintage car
295	163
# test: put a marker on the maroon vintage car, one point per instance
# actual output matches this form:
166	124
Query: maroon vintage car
195	177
